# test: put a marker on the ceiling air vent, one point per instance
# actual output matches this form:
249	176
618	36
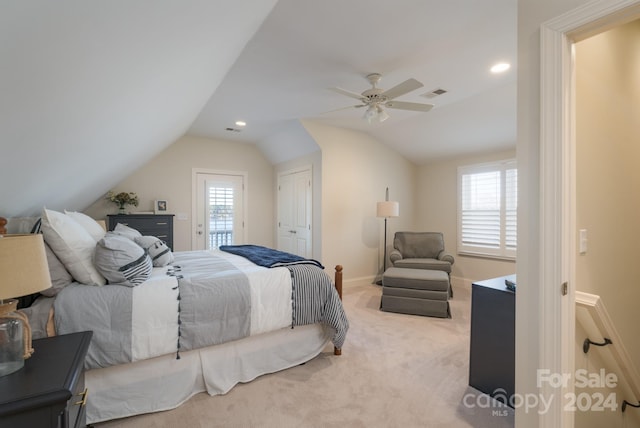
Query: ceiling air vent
435	93
233	129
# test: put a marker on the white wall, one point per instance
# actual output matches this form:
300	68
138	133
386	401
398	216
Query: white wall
437	205
169	176
356	169
608	177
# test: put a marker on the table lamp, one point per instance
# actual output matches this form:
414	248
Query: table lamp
23	270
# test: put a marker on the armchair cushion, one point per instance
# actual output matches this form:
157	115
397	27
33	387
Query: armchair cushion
431	264
420	250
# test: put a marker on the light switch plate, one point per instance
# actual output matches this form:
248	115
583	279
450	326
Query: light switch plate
583	241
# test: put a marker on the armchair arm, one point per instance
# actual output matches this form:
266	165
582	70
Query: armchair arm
394	256
444	256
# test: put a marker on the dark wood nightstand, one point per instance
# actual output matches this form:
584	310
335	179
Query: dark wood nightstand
49	390
158	225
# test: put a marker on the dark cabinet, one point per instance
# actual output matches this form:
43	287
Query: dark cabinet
158	225
493	323
49	390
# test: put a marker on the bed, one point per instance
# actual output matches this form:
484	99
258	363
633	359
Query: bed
205	320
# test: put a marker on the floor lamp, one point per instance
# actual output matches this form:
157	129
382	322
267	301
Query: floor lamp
387	209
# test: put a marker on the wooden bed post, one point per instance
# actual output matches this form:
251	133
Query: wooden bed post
338	283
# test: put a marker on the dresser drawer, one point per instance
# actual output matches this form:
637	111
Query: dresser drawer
160	226
74	415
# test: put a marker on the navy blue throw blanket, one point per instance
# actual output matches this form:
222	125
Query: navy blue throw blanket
268	257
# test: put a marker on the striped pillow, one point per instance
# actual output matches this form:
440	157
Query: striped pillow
122	261
158	250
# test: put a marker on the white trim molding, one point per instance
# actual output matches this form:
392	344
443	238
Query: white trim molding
557	187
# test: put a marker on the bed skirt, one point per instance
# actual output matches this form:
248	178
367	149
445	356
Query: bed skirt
164	383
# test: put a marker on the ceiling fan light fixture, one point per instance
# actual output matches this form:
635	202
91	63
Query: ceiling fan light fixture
370	115
375	113
382	115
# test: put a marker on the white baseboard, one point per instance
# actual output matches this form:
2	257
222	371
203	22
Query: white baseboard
457	281
363	280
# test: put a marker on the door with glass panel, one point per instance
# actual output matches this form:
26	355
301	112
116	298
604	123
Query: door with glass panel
219	217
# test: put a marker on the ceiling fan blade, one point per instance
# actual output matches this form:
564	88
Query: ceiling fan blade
347	93
402	88
344	108
408	106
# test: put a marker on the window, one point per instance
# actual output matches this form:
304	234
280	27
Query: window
487	209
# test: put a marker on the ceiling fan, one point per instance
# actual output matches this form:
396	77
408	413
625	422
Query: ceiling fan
376	98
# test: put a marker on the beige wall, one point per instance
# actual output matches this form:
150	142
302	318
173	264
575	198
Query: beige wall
169	176
350	174
356	169
437	204
608	174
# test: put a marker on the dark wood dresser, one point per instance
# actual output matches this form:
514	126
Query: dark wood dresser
158	225
49	390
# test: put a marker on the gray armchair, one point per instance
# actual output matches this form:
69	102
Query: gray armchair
420	250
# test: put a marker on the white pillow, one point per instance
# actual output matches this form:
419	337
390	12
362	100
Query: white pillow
90	225
124	230
122	261
73	245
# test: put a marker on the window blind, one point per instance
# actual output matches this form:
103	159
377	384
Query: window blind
221	215
487	214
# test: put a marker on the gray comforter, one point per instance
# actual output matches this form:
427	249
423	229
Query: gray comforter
202	300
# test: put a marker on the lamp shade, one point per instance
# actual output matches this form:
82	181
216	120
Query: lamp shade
23	265
388	209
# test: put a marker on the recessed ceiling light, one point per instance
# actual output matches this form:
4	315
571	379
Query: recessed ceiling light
500	67
241	123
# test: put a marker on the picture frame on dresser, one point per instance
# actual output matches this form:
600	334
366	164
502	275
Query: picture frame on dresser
160	206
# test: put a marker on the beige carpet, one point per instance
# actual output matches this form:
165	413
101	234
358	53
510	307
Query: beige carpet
396	371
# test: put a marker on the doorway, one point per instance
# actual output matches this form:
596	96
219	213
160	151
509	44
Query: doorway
295	207
556	271
219	209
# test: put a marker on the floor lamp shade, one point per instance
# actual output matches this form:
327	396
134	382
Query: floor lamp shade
23	270
388	209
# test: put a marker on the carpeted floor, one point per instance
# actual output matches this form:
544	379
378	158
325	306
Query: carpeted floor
396	371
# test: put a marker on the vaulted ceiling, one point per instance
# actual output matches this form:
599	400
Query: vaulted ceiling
93	90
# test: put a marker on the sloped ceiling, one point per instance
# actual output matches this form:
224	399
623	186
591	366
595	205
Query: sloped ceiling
91	90
305	47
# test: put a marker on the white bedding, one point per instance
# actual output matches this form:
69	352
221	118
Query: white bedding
137	388
142	322
155	305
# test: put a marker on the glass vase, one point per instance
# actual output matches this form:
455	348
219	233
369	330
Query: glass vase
11	346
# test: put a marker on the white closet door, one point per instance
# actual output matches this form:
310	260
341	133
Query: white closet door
294	212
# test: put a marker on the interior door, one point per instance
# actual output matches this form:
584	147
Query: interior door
219	216
294	212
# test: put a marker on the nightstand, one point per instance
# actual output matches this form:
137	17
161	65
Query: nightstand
49	390
158	225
